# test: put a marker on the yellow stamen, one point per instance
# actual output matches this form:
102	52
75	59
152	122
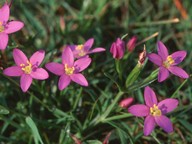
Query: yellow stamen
26	68
169	61
1	27
79	47
69	70
155	111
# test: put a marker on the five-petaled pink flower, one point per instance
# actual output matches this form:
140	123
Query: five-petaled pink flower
84	49
167	63
118	48
154	111
7	27
27	69
69	69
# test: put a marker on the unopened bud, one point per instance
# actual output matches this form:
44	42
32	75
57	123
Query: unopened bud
142	56
131	44
126	102
118	48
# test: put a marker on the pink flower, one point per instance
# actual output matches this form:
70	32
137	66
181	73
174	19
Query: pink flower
167	63
154	111
83	50
118	48
125	103
69	70
131	44
27	69
7	27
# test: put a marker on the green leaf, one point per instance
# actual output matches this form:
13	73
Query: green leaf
34	129
94	142
3	110
133	75
186	124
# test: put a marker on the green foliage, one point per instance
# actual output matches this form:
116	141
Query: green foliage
46	115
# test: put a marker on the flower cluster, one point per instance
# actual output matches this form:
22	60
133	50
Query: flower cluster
75	59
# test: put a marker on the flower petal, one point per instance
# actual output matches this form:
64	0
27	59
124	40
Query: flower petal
178	56
39	73
82	64
25	82
96	50
4	13
163	74
165	123
139	110
56	68
162	50
67	57
168	105
3	40
19	57
79	78
64	81
150	97
88	44
13	26
37	57
178	72
13	71
149	125
156	59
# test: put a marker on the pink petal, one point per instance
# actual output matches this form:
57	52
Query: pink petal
40	74
56	68
67	57
150	97
167	105
97	50
162	50
25	82
164	122
139	110
64	81
79	78
13	26
163	74
178	56
37	57
178	72
88	44
156	59
149	125
3	41
19	57
4	13
13	71
82	64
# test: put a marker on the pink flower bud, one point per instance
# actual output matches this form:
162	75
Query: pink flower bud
118	48
131	44
126	102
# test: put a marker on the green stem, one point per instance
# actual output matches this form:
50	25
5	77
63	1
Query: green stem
152	77
107	112
118	117
77	99
174	94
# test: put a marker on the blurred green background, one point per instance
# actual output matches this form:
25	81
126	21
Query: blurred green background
50	24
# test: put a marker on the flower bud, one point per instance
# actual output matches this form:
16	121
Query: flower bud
126	102
142	56
118	48
131	44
